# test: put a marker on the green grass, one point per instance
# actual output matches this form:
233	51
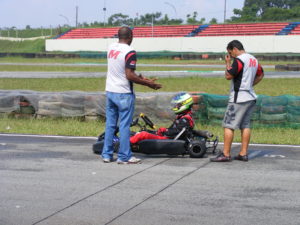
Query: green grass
140	61
60	84
262	135
77	127
45	68
51	126
22	46
33	32
272	87
87	68
50	60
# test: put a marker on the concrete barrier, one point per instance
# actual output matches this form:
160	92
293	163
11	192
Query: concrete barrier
254	44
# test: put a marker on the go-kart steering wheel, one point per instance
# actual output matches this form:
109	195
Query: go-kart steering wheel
134	122
147	121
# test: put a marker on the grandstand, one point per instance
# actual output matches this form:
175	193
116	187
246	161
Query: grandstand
90	33
155	31
243	29
296	30
163	31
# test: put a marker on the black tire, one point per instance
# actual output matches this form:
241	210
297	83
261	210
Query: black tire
97	147
197	149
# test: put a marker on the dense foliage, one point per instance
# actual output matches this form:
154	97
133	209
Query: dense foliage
267	10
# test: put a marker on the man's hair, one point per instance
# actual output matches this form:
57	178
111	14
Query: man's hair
124	33
235	44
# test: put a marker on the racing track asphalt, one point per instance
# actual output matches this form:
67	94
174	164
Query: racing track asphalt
184	73
58	180
105	65
190	71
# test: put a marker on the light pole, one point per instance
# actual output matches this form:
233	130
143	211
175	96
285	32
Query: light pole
76	16
104	12
66	18
224	11
152	26
169	4
14	28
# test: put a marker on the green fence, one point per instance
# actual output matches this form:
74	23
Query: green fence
270	111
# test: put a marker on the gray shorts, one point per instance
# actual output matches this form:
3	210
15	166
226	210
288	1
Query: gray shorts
238	115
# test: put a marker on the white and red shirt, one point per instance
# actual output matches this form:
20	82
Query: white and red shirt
244	69
119	57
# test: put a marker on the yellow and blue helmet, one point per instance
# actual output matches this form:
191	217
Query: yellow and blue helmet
181	102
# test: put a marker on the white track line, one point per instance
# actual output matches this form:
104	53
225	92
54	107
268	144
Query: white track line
267	145
253	154
47	136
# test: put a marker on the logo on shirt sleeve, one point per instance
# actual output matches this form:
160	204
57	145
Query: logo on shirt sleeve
132	63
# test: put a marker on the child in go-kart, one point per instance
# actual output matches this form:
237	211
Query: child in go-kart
182	104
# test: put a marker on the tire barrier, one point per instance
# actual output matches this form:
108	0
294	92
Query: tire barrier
88	105
150	55
287	67
270	111
280	111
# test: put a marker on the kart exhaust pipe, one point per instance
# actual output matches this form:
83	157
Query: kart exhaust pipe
203	133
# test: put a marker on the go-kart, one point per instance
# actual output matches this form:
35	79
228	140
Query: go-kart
196	143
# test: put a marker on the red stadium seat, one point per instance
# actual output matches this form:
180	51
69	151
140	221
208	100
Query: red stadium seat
156	31
183	30
243	29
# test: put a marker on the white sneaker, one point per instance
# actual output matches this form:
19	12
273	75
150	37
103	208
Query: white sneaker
106	160
132	160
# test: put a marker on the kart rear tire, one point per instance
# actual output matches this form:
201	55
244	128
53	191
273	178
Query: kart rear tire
197	149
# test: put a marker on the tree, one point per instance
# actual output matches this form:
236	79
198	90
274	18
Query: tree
193	19
266	10
250	12
213	21
164	20
176	21
276	14
85	24
119	19
145	20
148	18
280	14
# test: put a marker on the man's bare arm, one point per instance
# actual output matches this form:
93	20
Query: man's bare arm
258	78
228	76
139	79
259	75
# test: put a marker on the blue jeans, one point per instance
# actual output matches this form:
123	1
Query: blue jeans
119	107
